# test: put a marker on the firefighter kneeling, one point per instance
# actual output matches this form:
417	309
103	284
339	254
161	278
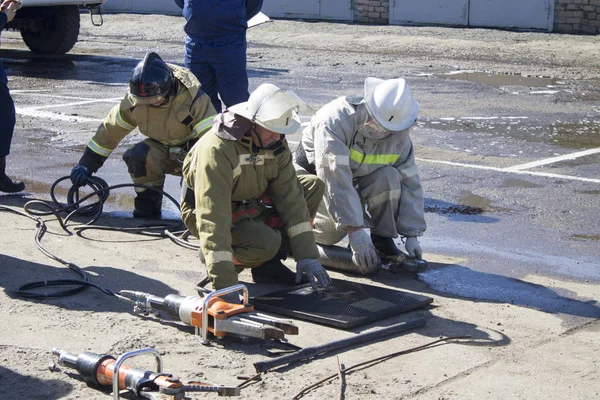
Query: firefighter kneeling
241	196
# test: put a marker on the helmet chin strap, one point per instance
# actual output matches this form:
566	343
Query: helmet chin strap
258	138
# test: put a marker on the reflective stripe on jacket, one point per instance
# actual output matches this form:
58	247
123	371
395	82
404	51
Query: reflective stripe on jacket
220	173
187	116
334	144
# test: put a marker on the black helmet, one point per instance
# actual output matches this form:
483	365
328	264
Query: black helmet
152	77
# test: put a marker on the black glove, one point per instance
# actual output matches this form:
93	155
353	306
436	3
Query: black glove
80	174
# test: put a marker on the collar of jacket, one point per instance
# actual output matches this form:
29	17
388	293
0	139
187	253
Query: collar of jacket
230	126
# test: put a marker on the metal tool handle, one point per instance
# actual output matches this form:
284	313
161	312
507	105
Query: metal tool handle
308	352
131	354
217	293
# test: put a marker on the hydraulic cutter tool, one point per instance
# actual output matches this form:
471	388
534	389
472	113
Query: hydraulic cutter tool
100	370
213	314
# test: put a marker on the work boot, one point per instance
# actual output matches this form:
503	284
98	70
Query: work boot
7	185
387	249
148	204
274	271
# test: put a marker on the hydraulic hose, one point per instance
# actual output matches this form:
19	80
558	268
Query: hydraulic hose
36	209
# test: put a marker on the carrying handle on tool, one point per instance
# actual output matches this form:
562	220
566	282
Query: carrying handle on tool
131	354
205	305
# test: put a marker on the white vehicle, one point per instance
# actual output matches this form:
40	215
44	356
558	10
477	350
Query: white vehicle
51	27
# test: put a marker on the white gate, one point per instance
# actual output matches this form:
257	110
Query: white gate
442	12
340	10
518	14
524	14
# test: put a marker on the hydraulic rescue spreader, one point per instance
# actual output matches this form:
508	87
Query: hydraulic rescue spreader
215	315
100	370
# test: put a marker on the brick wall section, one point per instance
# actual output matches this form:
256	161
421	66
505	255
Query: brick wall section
577	16
372	11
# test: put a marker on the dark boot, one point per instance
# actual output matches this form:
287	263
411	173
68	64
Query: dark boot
7	185
387	249
148	204
274	271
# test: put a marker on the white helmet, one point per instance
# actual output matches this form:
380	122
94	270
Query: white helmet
273	108
391	103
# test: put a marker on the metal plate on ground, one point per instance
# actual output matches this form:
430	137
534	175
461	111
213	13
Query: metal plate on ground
342	305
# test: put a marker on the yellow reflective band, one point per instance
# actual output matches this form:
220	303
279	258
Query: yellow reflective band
298	229
96	148
122	123
157	184
217	256
237	171
333	161
198	128
381	159
391	196
204	124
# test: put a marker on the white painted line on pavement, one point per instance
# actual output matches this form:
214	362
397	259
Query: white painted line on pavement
32	112
79	103
552	160
505	170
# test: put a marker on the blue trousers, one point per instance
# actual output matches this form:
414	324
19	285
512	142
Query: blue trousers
7	114
220	68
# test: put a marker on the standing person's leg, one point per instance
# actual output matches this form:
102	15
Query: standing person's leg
229	63
197	61
7	126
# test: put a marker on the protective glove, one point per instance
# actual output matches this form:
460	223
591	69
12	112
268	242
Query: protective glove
413	248
80	174
363	252
314	271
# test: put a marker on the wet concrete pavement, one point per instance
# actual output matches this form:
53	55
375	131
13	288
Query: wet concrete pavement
492	225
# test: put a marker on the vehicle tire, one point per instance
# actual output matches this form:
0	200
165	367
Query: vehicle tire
57	33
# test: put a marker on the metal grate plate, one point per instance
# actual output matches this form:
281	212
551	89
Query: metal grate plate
342	305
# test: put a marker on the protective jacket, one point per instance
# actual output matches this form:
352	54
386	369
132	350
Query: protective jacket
218	20
226	176
185	117
339	152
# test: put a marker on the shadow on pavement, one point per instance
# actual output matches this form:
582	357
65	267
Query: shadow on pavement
85	67
460	282
17	386
17	272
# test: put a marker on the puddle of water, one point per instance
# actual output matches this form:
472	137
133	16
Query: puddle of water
447	208
577	135
499	79
478	202
583	134
585	238
521	183
116	201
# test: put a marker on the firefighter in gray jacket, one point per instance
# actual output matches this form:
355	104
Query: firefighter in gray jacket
361	149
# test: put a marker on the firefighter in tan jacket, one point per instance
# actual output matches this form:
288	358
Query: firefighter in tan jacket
167	105
360	147
242	199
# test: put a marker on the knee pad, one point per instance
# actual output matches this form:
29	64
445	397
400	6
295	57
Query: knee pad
135	158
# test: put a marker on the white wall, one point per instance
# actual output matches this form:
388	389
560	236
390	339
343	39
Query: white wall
142	6
526	14
520	14
340	10
443	12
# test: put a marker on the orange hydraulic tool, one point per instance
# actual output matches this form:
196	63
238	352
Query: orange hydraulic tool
213	314
100	369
